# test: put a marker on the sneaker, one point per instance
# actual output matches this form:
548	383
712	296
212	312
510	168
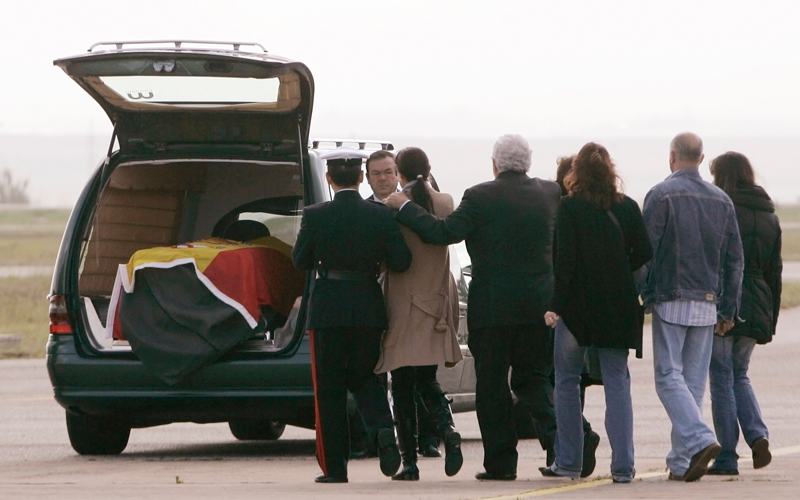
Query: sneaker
761	454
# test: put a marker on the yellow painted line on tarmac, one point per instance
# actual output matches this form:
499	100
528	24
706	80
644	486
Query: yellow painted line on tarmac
583	485
18	400
780	452
789	450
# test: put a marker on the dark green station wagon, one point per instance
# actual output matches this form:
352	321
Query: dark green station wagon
205	134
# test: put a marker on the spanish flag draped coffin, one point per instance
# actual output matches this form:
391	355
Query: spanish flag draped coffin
183	307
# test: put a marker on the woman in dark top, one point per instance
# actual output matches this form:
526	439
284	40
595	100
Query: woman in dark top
733	402
600	239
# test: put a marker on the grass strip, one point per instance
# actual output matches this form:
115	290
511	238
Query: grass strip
24	312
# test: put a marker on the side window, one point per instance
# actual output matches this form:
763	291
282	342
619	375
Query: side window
283	227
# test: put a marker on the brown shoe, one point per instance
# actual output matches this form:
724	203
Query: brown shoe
699	464
761	455
675	477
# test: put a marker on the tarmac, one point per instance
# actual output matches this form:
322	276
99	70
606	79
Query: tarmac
191	461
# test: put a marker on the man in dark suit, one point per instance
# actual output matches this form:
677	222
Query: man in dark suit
508	227
381	174
345	241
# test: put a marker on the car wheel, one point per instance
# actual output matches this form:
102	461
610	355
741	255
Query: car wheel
248	430
526	426
93	436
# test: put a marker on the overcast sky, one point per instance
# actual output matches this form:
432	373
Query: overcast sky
450	68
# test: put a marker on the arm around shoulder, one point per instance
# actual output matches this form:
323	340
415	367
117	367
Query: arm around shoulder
452	229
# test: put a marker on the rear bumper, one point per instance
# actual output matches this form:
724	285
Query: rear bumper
277	388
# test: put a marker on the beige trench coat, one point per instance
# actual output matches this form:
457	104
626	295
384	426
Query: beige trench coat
422	304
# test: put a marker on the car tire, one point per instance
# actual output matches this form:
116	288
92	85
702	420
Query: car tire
526	426
263	430
93	436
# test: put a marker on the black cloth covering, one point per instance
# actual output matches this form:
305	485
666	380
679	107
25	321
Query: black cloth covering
175	325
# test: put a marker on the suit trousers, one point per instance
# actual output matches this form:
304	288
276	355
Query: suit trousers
344	359
527	350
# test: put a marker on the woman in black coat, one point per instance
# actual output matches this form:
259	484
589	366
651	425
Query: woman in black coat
733	402
600	239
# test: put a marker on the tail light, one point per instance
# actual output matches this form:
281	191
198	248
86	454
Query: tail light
59	317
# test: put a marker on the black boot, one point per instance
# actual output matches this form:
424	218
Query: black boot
439	409
407	437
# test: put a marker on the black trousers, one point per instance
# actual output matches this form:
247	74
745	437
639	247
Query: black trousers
409	380
527	350
344	359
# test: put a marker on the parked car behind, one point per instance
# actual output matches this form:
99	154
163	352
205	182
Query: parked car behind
207	134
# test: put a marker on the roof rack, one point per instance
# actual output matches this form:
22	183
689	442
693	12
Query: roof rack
371	145
178	45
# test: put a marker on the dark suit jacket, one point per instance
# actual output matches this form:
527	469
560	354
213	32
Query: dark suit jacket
349	234
508	227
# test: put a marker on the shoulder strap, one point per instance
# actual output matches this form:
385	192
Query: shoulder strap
616	224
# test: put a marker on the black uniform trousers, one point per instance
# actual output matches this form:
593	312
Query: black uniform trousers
527	350
344	359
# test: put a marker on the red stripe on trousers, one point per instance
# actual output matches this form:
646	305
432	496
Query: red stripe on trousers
320	443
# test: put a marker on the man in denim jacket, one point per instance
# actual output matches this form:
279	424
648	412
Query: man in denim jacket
692	286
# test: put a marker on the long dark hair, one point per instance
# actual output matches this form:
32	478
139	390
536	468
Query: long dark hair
593	177
413	164
732	170
564	166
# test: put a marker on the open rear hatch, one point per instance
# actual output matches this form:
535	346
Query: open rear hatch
159	94
178	110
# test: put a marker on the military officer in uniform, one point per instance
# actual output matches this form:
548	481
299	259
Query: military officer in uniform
345	241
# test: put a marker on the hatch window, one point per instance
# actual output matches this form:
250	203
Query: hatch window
193	90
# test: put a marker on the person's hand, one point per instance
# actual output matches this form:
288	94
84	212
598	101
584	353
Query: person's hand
550	318
396	200
723	326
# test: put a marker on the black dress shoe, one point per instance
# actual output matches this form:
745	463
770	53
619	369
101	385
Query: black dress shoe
761	454
388	454
698	466
489	476
548	472
590	442
453	459
430	451
358	453
722	472
322	478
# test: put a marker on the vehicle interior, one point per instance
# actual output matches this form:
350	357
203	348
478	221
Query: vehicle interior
166	203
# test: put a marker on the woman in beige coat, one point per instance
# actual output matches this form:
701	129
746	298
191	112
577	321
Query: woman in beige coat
422	304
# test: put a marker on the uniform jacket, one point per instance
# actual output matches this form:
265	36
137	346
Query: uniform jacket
349	234
595	294
507	224
422	304
761	285
697	252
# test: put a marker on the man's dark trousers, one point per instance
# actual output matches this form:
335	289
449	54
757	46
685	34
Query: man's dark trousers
346	354
526	350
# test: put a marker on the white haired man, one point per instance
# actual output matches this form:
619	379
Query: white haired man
508	227
693	285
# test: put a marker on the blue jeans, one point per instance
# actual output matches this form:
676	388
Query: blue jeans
733	402
569	361
681	358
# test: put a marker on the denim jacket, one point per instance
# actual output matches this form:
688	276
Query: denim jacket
697	251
